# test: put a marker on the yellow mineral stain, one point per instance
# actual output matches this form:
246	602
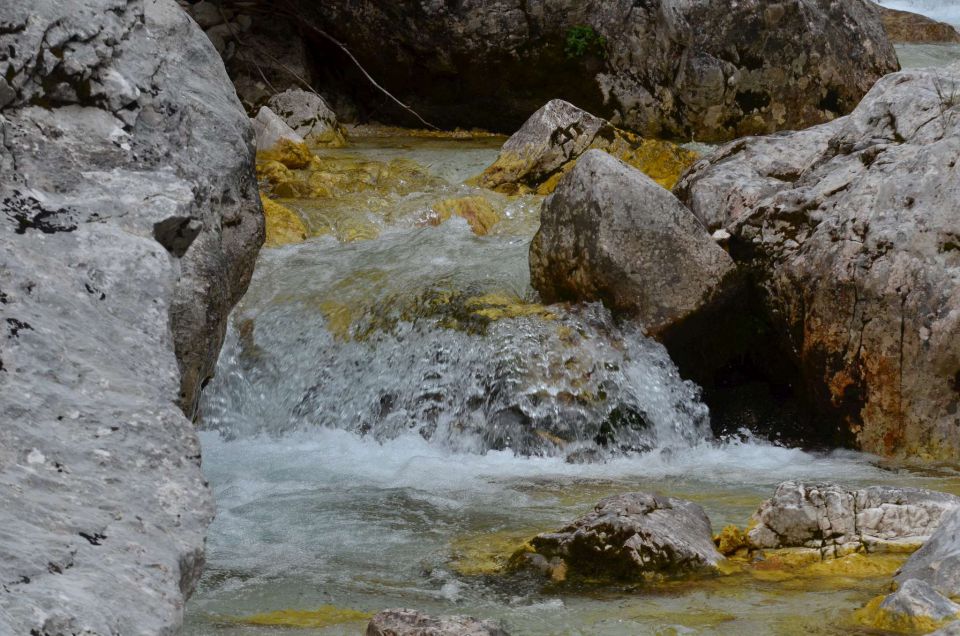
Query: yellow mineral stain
730	540
875	617
291	154
283	225
324	616
476	210
488	553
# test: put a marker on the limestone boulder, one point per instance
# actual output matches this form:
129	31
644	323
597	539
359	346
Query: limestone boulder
850	231
129	227
610	233
309	116
408	622
916	607
938	561
629	537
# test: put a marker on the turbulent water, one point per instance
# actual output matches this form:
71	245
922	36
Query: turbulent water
390	415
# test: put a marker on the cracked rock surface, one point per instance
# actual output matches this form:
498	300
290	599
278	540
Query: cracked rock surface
850	230
129	225
938	561
837	520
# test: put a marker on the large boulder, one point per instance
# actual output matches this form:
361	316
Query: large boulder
408	622
850	231
549	144
652	67
610	233
309	116
629	537
904	26
838	520
915	608
129	226
938	561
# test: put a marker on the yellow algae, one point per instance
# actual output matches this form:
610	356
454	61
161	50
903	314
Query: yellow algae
280	180
283	225
496	306
806	564
488	552
730	540
872	615
324	616
291	154
476	210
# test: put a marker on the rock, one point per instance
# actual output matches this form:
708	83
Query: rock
951	629
408	622
915	608
850	231
548	145
477	211
610	233
309	116
223	39
206	14
129	227
837	520
904	26
938	561
629	537
651	67
276	141
283	225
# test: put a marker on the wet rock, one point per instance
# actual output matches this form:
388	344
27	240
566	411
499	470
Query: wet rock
129	227
904	26
651	67
276	141
850	231
951	629
548	145
206	14
309	117
408	622
938	561
283	225
628	537
916	607
837	520
476	210
610	233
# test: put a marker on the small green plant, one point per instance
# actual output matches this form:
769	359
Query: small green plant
583	40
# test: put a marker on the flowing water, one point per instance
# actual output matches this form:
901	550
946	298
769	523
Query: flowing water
393	415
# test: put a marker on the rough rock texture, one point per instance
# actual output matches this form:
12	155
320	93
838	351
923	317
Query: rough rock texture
629	536
408	622
850	230
648	66
270	129
914	608
938	561
308	115
837	520
904	26
129	225
952	629
610	233
548	145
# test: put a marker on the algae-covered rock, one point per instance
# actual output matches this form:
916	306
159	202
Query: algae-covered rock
309	116
276	141
627	537
283	224
408	622
938	561
915	608
549	144
837	520
325	616
476	210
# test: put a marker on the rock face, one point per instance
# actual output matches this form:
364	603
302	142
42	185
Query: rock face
647	66
938	561
408	622
628	537
610	233
129	225
850	231
309	116
837	520
549	144
903	26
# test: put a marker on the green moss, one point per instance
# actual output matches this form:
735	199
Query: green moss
583	40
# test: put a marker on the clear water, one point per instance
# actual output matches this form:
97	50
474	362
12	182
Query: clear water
383	409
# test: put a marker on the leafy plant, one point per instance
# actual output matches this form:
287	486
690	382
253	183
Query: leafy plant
582	40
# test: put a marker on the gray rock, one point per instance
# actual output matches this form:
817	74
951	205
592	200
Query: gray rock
918	603
650	66
610	233
850	230
951	629
837	520
269	129
308	115
629	536
206	14
129	226
938	561
408	622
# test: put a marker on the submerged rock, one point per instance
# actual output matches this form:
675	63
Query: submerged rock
915	608
283	225
476	210
836	520
309	116
628	537
129	226
904	26
548	145
408	622
325	616
850	230
653	66
938	561
610	233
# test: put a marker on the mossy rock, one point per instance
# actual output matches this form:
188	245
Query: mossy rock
283	225
292	154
